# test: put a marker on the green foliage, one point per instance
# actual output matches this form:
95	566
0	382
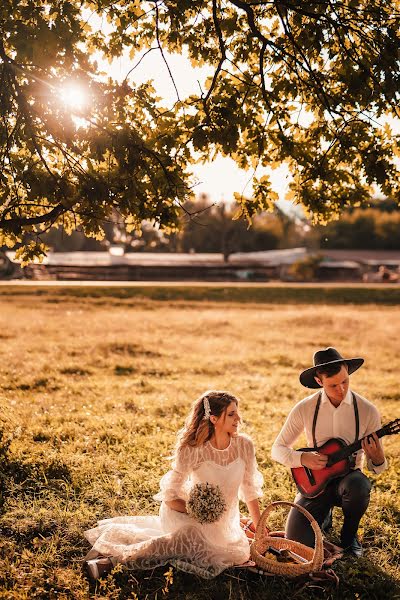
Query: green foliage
310	85
363	229
304	269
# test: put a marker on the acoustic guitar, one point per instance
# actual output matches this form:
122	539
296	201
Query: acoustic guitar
312	482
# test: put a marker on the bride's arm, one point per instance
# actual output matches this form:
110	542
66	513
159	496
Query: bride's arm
178	505
251	487
172	483
254	510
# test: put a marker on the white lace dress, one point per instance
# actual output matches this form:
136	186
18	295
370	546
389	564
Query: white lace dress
144	542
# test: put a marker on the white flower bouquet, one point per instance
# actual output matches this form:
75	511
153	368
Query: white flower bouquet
206	503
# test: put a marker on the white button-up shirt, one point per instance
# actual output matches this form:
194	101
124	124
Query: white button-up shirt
332	422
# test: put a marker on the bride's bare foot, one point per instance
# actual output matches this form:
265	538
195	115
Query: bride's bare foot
97	567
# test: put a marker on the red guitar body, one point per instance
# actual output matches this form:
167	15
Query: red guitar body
311	483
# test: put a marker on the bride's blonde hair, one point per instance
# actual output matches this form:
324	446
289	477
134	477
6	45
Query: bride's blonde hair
198	428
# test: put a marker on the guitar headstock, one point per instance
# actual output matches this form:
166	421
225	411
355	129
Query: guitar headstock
392	427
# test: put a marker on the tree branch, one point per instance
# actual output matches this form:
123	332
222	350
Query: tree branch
162	53
222	50
15	224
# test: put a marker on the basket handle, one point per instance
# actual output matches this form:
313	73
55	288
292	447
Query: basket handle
318	544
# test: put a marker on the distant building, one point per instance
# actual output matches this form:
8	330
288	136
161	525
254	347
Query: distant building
329	265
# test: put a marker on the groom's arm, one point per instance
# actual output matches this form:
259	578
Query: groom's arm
282	450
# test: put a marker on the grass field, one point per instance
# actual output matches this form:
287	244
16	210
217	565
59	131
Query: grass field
94	386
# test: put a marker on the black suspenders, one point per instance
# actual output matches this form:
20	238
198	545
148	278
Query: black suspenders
356	416
314	424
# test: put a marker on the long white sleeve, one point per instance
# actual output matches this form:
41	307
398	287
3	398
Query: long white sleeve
172	484
282	450
251	486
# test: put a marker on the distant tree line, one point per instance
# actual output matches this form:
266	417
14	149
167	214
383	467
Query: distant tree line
376	227
208	227
205	227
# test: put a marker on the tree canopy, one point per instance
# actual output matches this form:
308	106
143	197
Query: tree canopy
311	84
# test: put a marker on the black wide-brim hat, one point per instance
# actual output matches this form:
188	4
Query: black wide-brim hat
329	356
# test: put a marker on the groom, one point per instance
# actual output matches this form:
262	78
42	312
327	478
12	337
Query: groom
332	411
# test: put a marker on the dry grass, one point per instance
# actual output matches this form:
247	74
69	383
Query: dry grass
93	390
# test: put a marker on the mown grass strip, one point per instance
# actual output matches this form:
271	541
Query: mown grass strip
240	294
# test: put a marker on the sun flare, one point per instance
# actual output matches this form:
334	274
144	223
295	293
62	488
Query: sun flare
74	96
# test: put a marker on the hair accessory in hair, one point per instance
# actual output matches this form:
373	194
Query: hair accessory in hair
207	409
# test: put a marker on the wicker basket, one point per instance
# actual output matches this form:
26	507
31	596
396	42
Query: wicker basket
263	539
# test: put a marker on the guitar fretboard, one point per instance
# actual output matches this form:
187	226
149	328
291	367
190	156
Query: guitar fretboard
350	449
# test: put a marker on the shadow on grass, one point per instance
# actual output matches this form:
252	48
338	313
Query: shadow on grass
358	580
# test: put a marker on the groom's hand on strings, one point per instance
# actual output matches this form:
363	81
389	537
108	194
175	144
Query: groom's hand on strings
373	449
314	460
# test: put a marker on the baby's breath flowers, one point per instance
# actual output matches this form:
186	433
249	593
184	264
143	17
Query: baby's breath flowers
206	503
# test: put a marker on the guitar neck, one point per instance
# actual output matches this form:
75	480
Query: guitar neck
351	448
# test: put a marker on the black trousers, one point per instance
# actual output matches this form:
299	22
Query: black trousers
350	492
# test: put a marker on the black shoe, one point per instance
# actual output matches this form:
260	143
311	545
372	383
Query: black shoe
354	548
327	522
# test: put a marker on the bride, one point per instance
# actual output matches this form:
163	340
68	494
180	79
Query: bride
209	449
